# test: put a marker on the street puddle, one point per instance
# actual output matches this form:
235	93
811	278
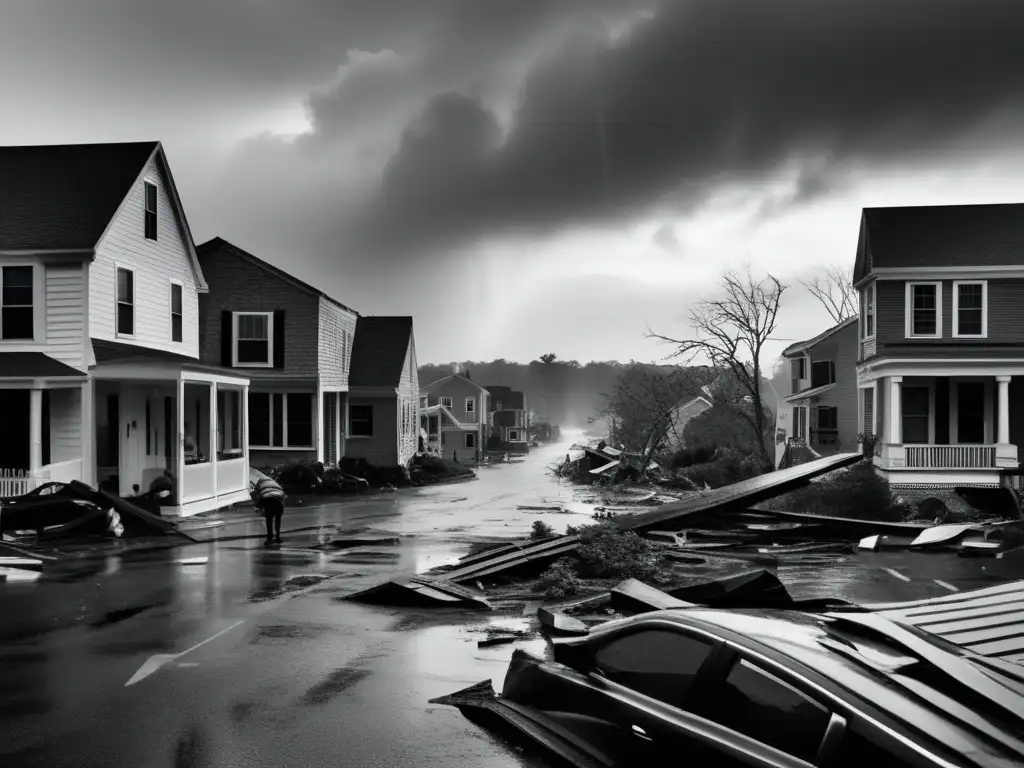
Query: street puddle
337	682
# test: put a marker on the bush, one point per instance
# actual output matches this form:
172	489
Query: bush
541	530
727	467
301	477
858	492
702	455
559	580
606	551
681	458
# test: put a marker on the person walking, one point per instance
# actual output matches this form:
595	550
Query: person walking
269	498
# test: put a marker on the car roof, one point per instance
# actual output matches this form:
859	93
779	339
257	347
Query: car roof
844	653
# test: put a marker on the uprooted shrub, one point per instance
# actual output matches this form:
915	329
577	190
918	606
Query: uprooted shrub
727	467
541	530
560	580
606	551
857	492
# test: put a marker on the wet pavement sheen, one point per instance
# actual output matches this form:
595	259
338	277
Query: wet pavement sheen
259	660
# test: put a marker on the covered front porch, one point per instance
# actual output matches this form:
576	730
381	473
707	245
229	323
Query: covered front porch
953	428
184	423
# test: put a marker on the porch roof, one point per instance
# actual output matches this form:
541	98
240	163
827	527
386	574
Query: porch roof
807	394
436	409
114	357
35	365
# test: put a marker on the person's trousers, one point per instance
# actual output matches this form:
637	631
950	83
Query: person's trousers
273	512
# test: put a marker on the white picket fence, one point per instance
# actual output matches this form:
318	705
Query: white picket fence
14	482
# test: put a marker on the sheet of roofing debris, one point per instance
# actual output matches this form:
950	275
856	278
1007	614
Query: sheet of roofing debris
988	622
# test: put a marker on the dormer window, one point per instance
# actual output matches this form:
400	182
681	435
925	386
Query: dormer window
924	310
150	215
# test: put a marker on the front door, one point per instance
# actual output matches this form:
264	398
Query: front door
132	440
970	418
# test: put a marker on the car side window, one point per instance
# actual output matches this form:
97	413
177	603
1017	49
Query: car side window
655	662
764	707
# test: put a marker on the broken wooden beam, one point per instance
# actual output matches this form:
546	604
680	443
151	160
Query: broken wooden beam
561	624
635	595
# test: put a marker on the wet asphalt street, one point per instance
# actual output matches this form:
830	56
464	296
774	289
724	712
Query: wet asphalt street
254	658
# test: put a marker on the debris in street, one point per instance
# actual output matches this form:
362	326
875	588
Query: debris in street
499	640
479	566
348	542
881	541
547	508
420	591
849	528
939	535
559	623
836	547
24	563
748	589
981	548
193	561
634	595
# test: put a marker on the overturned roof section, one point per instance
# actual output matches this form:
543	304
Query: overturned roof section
802	346
940	236
379	351
61	197
211	248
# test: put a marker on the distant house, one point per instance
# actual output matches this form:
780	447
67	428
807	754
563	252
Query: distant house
823	389
941	359
462	436
681	416
383	402
292	340
508	419
100	372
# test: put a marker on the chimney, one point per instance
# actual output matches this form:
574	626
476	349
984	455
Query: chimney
456	368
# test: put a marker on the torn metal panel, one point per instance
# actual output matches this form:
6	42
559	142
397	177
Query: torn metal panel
635	595
988	622
845	527
739	495
940	535
420	592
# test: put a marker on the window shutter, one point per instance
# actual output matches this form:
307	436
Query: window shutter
279	338
225	338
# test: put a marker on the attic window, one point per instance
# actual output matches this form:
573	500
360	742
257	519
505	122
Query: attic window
470	405
150	210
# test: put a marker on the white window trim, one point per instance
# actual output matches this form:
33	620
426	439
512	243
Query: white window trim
38	298
285	445
470	405
135	301
909	309
234	340
146	183
956	309
443	404
874	312
512	432
348	422
170	310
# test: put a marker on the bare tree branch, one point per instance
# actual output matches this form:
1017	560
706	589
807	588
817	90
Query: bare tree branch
730	332
834	289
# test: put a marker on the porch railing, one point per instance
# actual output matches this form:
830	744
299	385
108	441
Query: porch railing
15	482
951	456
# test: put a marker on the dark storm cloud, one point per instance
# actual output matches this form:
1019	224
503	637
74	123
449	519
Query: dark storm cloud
705	91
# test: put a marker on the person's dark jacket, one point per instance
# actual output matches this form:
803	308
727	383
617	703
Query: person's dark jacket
265	490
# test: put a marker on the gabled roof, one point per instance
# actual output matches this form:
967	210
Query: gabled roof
436	383
511	399
940	236
210	248
64	197
379	351
802	346
807	394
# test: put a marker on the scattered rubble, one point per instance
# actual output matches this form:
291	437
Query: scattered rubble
561	624
420	591
633	595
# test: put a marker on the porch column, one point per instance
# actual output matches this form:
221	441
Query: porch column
179	444
1003	432
895	436
35	432
874	408
318	424
243	428
88	449
214	434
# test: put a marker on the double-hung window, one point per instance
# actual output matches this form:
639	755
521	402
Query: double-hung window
125	302
446	402
924	310
176	311
970	309
17	316
253	339
867	311
360	421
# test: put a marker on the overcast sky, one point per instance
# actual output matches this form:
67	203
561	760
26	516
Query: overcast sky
538	175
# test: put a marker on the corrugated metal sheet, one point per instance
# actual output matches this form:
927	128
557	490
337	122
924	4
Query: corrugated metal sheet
989	622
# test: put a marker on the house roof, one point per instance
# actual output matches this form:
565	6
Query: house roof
807	394
692	407
940	236
437	382
34	365
379	350
62	196
511	399
210	248
801	346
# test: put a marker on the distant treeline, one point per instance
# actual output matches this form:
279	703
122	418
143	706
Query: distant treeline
561	391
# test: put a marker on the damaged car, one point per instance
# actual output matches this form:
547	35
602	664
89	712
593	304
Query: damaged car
758	687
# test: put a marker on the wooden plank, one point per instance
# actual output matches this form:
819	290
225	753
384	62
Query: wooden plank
985	634
960	625
928	614
635	595
925	622
1000	647
489	565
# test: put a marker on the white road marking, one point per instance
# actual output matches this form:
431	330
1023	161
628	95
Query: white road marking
897	574
188	664
946	585
153	663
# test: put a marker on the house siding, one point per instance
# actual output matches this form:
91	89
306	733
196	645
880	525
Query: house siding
459	389
65	425
65	313
336	330
238	285
382	448
408	394
156	263
1005	319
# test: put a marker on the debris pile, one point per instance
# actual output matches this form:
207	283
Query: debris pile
598	462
